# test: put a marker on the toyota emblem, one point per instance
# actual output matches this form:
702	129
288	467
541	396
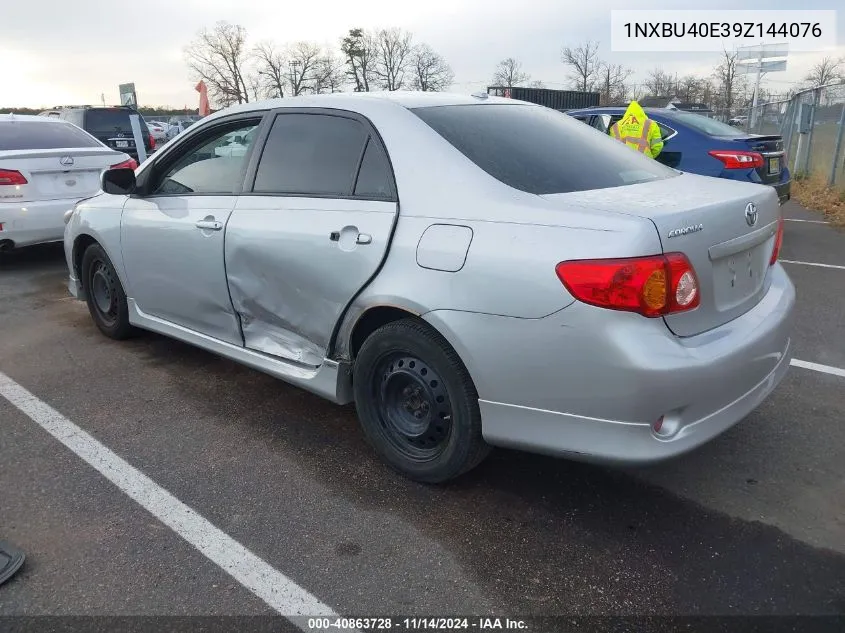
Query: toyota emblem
67	161
751	214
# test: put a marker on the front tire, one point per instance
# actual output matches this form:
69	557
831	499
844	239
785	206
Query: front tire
104	294
417	403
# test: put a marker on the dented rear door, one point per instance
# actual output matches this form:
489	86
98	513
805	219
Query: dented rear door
312	232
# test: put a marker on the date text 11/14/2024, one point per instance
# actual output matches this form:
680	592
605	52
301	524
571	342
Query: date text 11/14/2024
416	624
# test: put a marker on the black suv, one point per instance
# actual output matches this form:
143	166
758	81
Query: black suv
111	126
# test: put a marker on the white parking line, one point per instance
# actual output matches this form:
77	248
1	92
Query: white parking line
807	221
790	261
269	584
826	369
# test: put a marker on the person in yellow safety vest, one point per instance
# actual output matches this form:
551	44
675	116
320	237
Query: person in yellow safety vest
638	132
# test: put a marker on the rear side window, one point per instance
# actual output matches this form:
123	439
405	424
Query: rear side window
103	120
311	154
47	134
374	177
539	150
702	124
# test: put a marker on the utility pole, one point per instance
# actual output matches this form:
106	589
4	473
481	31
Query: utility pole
294	64
753	117
760	59
103	98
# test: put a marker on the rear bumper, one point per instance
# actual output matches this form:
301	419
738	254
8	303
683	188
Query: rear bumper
28	223
783	190
589	384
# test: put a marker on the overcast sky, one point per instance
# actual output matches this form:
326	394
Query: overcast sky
71	52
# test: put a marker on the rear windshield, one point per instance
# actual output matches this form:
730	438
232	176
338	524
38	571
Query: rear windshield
702	124
99	121
539	150
47	134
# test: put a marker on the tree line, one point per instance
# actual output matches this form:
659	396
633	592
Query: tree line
237	71
725	88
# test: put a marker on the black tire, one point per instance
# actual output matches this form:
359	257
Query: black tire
104	294
417	403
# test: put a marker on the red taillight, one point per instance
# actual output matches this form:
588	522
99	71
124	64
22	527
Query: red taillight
735	159
127	164
778	242
652	286
11	177
152	142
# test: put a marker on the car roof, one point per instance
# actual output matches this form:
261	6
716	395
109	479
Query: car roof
357	101
31	118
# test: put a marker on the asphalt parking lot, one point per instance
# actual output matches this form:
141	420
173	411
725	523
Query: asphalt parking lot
753	523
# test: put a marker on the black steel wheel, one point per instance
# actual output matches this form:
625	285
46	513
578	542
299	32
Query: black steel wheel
416	402
104	294
413	406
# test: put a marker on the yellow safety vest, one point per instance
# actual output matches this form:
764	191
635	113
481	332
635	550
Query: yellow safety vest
636	135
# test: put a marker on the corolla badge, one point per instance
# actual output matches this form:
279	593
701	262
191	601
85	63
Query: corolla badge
751	214
695	228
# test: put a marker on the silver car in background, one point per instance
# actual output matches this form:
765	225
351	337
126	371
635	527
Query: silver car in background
46	166
469	270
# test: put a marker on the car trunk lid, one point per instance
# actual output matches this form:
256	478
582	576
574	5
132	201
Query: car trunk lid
57	174
725	228
772	151
770	147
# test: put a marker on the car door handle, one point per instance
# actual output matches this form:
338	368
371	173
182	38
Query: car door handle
363	238
210	225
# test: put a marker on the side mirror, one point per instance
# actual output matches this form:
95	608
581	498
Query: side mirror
119	182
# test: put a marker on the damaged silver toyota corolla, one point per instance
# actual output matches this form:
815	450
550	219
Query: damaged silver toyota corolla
470	271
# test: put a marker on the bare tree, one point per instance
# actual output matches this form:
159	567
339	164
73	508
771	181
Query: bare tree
328	75
219	57
393	56
585	64
256	86
706	91
658	83
827	71
431	73
611	80
272	67
359	55
509	73
689	89
730	83
302	61
537	83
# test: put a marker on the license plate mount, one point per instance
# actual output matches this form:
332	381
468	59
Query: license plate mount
774	166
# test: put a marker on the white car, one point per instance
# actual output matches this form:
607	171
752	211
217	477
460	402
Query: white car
235	145
158	130
177	126
46	166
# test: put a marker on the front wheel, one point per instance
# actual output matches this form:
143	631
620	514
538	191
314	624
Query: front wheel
417	403
104	294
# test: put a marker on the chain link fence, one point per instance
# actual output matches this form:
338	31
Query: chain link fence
812	124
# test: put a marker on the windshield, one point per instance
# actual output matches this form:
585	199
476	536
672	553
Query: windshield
539	150
702	124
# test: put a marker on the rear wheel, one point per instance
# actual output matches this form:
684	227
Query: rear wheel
417	404
104	294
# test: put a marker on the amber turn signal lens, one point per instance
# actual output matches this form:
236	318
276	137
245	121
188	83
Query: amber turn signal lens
654	290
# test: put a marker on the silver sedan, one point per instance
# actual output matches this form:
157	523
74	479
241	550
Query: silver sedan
470	271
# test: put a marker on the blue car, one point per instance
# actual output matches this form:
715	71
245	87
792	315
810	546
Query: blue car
698	145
